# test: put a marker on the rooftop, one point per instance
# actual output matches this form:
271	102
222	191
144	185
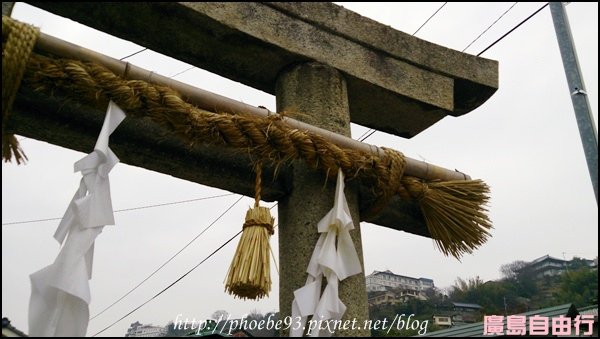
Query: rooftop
466	305
476	330
544	258
388	272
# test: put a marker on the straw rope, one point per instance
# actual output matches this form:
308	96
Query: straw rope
257	184
20	42
249	275
268	139
455	211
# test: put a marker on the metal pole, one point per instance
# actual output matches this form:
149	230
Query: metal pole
581	105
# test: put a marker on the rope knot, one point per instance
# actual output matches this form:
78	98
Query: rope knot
389	171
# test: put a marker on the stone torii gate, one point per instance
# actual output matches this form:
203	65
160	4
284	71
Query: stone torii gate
331	64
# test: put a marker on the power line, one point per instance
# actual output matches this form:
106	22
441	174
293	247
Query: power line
170	285
490	26
126	209
513	29
172	257
372	131
169	260
362	135
145	48
431	17
220	247
185	70
132	54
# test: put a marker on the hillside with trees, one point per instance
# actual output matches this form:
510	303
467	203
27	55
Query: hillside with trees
519	290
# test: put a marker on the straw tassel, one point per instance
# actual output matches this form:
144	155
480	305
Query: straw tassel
249	275
455	213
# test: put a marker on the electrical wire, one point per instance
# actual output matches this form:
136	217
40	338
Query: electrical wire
170	285
132	54
137	308
126	209
168	260
431	17
185	70
362	135
513	29
490	26
372	131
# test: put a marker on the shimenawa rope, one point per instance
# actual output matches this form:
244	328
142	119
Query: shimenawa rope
20	42
455	211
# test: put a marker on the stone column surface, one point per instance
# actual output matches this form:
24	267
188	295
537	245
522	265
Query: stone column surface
7	8
316	94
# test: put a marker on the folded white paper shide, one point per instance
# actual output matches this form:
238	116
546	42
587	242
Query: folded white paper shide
335	263
60	293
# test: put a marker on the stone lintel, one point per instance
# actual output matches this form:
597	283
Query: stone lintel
397	83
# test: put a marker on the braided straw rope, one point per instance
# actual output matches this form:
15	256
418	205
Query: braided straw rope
20	42
455	211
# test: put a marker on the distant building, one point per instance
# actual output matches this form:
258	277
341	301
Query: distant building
390	288
477	329
442	321
454	313
382	281
548	266
139	330
464	313
394	296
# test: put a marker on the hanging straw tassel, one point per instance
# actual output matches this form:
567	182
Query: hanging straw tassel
249	275
455	213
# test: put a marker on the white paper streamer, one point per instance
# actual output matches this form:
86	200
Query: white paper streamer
335	263
60	293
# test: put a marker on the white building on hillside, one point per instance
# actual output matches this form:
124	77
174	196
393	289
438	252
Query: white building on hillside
138	330
381	281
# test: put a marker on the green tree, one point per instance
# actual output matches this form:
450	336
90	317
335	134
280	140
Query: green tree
220	315
522	276
511	270
466	290
177	331
577	263
579	287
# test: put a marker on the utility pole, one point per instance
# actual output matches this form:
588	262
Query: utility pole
581	104
566	263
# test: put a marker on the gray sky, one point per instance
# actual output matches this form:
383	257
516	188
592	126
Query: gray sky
523	142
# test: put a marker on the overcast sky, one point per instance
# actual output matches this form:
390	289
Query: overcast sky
523	142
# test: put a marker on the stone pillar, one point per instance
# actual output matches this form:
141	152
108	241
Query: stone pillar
7	8
315	94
